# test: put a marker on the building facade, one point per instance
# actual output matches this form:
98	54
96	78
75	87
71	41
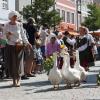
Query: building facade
67	11
66	8
21	3
96	1
73	12
5	7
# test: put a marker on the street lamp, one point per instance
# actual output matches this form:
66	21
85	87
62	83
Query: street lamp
78	11
54	13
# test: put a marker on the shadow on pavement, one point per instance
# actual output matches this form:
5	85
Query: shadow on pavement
91	83
52	89
36	84
64	88
91	79
5	87
89	86
5	80
95	71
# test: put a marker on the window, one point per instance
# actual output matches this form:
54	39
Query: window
72	18
73	0
4	6
4	0
63	15
68	17
58	10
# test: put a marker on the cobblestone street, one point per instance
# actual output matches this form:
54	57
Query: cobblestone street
39	88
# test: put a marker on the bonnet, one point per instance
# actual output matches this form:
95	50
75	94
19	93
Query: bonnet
13	13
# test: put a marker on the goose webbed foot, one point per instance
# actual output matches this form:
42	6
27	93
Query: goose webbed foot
68	86
77	84
55	88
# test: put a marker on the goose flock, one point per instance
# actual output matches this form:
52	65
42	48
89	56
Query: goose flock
71	76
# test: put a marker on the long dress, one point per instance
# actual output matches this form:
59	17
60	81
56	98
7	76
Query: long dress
14	53
82	44
90	49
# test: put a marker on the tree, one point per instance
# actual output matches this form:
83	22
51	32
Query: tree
98	15
93	19
42	11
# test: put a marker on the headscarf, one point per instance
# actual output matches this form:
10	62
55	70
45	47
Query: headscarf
13	13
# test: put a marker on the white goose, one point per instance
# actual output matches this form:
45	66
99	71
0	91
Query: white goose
55	76
79	67
70	75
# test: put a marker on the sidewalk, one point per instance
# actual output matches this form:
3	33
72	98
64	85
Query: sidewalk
39	88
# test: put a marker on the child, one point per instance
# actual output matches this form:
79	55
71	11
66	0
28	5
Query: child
38	55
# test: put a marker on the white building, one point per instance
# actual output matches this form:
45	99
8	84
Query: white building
5	7
21	3
67	11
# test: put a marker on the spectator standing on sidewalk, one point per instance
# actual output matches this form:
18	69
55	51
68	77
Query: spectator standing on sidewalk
29	54
43	37
14	51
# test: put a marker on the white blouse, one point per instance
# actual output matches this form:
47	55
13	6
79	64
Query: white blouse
17	33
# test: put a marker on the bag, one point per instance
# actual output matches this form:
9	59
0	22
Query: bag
3	43
19	47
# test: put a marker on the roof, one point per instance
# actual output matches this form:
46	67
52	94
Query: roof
97	33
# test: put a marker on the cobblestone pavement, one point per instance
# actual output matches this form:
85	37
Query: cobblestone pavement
39	88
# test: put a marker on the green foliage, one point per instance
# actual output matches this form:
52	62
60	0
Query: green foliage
98	79
3	42
98	15
48	63
42	11
93	19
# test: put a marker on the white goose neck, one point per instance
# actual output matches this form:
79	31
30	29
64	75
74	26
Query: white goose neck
55	61
66	63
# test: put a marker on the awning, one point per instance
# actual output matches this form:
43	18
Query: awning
73	33
67	26
96	33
